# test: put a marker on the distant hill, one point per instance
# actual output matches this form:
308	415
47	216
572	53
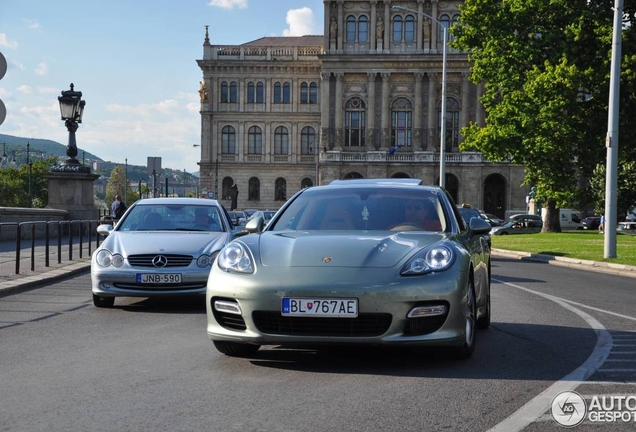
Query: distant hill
38	146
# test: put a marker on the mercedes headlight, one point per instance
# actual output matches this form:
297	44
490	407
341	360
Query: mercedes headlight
106	259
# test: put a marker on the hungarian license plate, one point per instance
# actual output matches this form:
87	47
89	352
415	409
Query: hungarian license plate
158	278
323	307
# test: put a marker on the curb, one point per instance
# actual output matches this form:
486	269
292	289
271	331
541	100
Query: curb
595	266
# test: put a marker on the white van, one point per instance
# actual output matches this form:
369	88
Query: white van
570	219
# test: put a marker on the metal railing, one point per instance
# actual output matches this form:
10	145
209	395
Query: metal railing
49	236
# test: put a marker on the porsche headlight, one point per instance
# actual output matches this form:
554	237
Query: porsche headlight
105	259
236	257
438	258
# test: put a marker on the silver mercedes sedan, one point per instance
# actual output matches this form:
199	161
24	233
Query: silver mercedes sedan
160	247
386	262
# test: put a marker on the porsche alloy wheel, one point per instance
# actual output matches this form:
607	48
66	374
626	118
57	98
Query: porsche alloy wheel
466	350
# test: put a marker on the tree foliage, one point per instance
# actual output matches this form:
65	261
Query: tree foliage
545	66
116	184
14	185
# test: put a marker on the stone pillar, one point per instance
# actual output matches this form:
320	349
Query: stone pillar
417	112
73	192
373	25
434	27
385	141
340	21
387	26
339	116
241	94
370	139
327	20
325	103
463	120
420	26
432	110
214	90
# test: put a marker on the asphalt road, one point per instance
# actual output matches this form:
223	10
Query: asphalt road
148	365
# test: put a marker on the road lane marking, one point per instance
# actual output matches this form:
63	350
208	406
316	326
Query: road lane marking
535	409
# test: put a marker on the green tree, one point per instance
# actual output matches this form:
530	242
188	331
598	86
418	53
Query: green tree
545	66
14	185
116	185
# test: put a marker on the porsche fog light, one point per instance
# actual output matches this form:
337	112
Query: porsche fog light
427	311
228	307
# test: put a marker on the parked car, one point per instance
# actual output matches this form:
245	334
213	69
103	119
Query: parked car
626	228
519	224
238	218
351	263
467	211
160	247
492	219
591	223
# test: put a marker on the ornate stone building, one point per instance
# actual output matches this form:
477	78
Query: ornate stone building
361	101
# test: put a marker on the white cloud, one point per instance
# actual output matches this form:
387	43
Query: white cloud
32	24
48	90
301	22
5	42
229	4
42	69
17	64
26	89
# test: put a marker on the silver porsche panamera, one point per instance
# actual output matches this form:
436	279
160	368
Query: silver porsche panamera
160	247
374	262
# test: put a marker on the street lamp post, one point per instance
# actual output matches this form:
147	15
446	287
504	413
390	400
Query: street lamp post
4	154
442	139
30	164
71	109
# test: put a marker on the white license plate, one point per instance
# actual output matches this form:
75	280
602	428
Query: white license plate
158	278
322	307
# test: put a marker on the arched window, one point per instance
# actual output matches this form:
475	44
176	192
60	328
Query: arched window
226	187
397	28
281	141
306	182
355	119
452	123
363	29
304	93
251	92
278	93
308	141
225	93
409	28
453	23
445	23
280	191
254	140
286	93
233	92
228	140
260	93
401	123
313	93
254	189
351	29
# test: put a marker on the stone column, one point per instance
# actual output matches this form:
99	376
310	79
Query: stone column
241	94
212	97
339	115
327	20
372	25
417	112
432	110
463	121
269	94
340	21
385	141
370	139
419	28
434	27
295	93
325	103
387	26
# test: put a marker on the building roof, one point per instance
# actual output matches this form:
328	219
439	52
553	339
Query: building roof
291	41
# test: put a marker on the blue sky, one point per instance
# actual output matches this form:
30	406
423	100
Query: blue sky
134	62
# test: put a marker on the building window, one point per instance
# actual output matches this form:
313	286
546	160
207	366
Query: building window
233	92
363	29
226	186
281	141
355	120
286	93
452	123
351	29
254	140
278	93
445	23
401	123
308	141
228	140
255	92
225	94
282	93
397	28
306	182
254	189
308	93
280	191
229	92
409	28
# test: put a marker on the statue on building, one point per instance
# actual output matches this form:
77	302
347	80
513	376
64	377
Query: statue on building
333	29
203	91
379	28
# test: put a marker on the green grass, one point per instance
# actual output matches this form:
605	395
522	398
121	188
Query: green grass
588	245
